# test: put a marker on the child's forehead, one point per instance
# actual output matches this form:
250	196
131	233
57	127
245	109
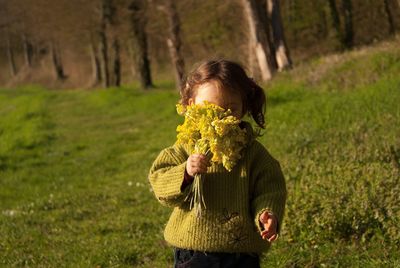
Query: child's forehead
219	96
216	88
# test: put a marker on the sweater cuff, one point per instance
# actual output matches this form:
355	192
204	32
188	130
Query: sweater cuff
187	179
170	186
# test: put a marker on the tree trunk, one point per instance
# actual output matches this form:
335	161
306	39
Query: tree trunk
57	63
265	22
10	56
105	74
348	23
335	20
259	39
107	13
281	50
174	42
132	63
139	42
252	63
117	63
389	14
28	50
96	67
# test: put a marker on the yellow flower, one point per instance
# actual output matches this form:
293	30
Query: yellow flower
180	109
211	130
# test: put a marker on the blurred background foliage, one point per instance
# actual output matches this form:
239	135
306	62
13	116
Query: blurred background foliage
208	29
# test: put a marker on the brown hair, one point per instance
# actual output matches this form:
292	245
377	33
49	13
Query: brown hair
231	76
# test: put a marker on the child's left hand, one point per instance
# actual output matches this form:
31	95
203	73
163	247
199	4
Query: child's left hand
269	222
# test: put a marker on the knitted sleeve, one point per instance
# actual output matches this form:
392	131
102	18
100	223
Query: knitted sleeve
269	192
166	177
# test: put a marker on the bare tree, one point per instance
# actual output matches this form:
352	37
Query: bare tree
259	39
389	15
347	8
281	50
174	42
117	63
252	62
56	60
139	42
28	50
96	66
10	54
106	19
335	19
105	73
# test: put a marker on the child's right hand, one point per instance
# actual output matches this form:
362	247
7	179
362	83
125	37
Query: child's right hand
197	163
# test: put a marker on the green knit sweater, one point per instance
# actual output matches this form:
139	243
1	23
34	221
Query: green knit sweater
234	200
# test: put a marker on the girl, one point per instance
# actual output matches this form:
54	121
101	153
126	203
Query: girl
245	207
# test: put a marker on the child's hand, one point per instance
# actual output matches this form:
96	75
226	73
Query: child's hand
269	222
197	163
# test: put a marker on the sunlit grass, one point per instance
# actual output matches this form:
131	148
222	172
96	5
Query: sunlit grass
74	164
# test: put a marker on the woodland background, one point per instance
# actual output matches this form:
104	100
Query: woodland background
76	148
65	43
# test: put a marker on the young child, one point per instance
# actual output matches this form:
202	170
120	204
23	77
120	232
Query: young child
244	207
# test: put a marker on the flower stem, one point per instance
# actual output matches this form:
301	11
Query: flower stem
197	196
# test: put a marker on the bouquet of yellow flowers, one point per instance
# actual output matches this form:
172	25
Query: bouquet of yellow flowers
211	130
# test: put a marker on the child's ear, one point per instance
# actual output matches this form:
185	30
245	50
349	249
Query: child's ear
190	101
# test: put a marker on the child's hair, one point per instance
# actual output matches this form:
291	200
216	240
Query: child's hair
231	76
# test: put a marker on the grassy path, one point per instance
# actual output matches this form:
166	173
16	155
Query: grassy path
85	188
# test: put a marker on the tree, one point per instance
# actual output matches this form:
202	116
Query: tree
117	63
28	50
389	15
259	40
7	24
348	36
139	42
345	36
56	60
335	19
96	65
10	55
281	50
174	42
106	19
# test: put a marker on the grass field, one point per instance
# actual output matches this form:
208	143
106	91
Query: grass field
74	164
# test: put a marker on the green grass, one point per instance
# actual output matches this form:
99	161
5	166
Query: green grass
74	164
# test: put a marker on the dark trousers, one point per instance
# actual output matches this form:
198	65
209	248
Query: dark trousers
184	258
